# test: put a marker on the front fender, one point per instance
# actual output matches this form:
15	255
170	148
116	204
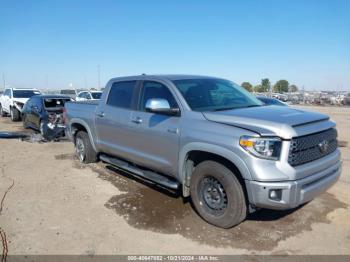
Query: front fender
214	149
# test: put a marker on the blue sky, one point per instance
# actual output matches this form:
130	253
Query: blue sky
61	42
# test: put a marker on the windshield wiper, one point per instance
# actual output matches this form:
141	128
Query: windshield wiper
230	108
225	108
251	106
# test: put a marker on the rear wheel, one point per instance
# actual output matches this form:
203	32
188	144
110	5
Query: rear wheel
24	121
83	148
217	195
15	116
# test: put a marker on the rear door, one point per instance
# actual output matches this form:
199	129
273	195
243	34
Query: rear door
113	119
155	137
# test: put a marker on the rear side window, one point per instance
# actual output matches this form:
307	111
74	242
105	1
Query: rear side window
121	94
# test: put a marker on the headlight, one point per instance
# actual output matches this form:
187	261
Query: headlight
263	147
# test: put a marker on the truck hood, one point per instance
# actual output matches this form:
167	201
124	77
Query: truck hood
282	121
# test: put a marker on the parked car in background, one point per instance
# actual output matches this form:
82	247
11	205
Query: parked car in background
45	112
88	95
212	139
13	100
69	92
271	101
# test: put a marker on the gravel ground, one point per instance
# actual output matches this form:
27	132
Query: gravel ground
58	206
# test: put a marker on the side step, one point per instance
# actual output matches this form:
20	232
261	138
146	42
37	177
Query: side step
149	175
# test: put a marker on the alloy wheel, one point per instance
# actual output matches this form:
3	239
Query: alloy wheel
80	149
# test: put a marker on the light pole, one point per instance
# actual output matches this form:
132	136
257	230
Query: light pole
98	76
85	82
47	81
3	79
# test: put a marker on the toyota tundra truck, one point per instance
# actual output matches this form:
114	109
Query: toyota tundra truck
209	139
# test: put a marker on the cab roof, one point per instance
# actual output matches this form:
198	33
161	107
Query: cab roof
171	77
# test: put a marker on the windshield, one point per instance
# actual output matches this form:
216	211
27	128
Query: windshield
55	102
25	93
96	95
215	94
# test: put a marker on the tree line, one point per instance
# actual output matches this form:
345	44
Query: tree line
281	86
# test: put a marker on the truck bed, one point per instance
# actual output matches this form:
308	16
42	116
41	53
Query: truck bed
82	110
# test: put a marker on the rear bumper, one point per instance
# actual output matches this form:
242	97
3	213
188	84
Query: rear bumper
292	193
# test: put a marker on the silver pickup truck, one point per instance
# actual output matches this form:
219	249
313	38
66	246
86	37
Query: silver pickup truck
210	139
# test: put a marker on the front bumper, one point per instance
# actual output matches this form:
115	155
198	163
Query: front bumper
292	193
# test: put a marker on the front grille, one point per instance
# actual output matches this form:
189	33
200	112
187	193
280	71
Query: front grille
308	148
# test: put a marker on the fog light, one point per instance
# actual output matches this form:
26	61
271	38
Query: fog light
275	194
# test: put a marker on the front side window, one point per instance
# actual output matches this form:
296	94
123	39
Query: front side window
24	93
121	94
156	90
214	94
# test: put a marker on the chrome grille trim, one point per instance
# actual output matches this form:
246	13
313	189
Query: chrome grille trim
307	148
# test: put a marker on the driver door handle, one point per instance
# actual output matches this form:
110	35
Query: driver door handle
136	120
101	114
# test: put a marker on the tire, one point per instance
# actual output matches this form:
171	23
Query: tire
217	195
2	112
15	114
24	122
83	148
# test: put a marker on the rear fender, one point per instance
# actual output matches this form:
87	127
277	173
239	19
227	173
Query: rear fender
73	130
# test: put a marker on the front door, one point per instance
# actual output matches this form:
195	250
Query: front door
155	137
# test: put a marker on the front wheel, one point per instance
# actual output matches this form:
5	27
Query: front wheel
217	195
15	115
2	112
83	148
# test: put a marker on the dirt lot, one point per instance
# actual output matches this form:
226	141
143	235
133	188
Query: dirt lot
58	206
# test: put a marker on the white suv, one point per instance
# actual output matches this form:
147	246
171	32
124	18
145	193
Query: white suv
89	95
13	100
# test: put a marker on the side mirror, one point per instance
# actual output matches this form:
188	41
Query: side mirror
161	106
